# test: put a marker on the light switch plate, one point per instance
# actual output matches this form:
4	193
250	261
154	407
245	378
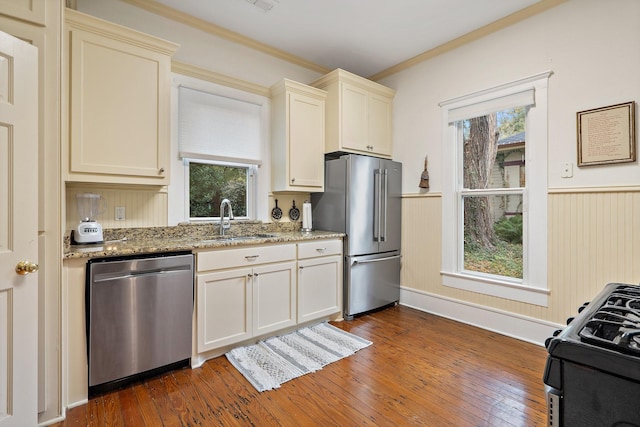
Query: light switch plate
567	170
120	213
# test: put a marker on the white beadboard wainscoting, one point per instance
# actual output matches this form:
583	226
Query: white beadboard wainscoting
594	239
144	206
147	206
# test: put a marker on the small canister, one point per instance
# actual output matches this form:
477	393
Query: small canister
307	223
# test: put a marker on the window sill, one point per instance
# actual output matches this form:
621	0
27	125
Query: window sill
496	288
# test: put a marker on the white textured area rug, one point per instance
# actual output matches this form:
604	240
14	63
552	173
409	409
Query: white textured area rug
277	360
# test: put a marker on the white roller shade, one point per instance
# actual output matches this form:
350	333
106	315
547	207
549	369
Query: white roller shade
477	109
215	127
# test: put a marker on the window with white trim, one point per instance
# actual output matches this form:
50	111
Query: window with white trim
211	182
495	191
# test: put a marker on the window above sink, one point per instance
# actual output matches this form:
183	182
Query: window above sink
219	140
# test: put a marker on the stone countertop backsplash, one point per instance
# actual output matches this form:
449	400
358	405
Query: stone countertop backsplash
190	236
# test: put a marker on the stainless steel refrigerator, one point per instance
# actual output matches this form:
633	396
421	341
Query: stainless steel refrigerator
362	199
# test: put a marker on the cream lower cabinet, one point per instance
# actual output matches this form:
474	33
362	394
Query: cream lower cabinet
274	297
244	292
254	291
224	310
319	279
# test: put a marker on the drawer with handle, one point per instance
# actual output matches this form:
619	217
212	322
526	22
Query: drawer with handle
319	248
243	257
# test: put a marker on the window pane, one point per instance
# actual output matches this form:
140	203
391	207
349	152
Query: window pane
493	235
210	184
494	150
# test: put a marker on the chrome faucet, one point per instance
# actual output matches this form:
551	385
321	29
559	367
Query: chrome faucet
225	225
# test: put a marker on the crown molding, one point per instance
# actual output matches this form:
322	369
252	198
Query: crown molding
82	21
218	78
200	24
470	37
192	21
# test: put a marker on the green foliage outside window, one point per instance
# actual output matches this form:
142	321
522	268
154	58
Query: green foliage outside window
509	229
209	184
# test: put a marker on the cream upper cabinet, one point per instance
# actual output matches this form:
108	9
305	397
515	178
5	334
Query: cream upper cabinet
358	114
119	103
297	137
25	10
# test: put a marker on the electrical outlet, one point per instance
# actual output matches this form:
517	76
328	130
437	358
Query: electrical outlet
120	216
567	170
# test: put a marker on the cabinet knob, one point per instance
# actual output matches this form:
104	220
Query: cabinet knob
249	275
161	170
293	180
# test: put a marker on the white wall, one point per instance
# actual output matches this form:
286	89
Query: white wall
593	49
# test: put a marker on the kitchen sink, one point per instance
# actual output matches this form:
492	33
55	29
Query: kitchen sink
249	237
237	238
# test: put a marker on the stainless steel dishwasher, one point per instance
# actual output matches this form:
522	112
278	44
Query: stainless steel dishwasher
139	314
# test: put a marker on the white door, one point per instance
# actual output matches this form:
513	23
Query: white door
18	232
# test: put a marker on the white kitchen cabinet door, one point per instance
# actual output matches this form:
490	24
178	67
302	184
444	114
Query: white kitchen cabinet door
379	124
298	137
224	308
274	297
119	103
25	10
319	287
358	114
354	117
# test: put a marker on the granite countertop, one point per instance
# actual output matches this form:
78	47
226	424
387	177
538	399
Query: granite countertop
186	237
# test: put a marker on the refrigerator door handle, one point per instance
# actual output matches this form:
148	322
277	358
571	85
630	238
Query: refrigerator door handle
377	200
367	261
383	198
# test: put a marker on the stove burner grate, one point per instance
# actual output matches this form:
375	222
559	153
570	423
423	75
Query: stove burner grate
616	324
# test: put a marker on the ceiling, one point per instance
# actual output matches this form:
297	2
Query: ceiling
361	36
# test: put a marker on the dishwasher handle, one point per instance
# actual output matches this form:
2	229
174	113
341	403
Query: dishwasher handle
106	277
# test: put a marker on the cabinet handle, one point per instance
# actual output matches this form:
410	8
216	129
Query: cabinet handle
301	267
321	250
249	275
255	274
251	257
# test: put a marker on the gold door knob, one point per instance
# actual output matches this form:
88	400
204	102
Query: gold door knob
26	267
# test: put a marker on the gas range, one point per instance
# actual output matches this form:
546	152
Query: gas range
593	369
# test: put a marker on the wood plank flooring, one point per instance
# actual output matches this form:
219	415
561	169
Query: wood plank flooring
421	370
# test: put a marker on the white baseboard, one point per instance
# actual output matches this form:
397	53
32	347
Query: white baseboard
513	325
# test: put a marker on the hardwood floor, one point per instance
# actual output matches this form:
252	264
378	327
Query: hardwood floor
421	370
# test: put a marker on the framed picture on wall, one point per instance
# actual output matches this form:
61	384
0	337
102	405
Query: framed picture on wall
606	135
